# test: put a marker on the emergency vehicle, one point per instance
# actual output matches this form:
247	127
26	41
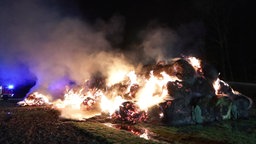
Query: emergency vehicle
6	92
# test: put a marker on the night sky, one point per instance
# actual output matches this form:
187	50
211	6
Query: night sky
35	32
235	19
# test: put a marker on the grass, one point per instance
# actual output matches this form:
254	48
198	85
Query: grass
110	135
234	132
43	125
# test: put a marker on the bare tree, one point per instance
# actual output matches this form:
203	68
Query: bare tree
217	17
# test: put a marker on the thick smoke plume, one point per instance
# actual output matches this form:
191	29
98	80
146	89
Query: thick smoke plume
56	49
37	42
159	42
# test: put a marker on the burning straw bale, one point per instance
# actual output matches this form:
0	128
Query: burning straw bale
182	91
195	100
183	70
129	113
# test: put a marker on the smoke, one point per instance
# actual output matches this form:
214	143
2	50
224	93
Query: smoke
113	29
56	49
37	42
159	42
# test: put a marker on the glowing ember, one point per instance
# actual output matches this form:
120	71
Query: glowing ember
216	86
196	63
130	113
79	105
127	96
222	88
35	99
143	133
161	115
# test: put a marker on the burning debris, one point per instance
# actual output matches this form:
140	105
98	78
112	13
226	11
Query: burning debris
183	91
129	112
35	99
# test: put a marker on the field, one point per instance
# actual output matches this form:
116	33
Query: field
43	125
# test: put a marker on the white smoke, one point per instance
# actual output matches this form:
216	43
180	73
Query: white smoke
158	41
56	49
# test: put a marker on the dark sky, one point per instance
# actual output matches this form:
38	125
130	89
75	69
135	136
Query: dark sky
137	14
235	18
40	32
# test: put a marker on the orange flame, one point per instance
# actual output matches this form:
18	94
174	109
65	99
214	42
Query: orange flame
84	103
154	91
35	99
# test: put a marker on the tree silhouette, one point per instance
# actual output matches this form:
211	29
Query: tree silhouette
217	16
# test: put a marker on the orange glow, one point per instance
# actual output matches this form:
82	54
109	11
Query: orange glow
145	134
80	103
154	91
110	106
35	99
122	85
196	63
216	85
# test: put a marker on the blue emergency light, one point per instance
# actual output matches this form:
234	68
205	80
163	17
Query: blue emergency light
10	86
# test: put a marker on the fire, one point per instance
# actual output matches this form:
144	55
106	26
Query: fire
133	80
145	135
128	95
196	63
110	106
216	86
139	94
222	88
35	99
116	77
143	132
154	91
79	105
71	99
